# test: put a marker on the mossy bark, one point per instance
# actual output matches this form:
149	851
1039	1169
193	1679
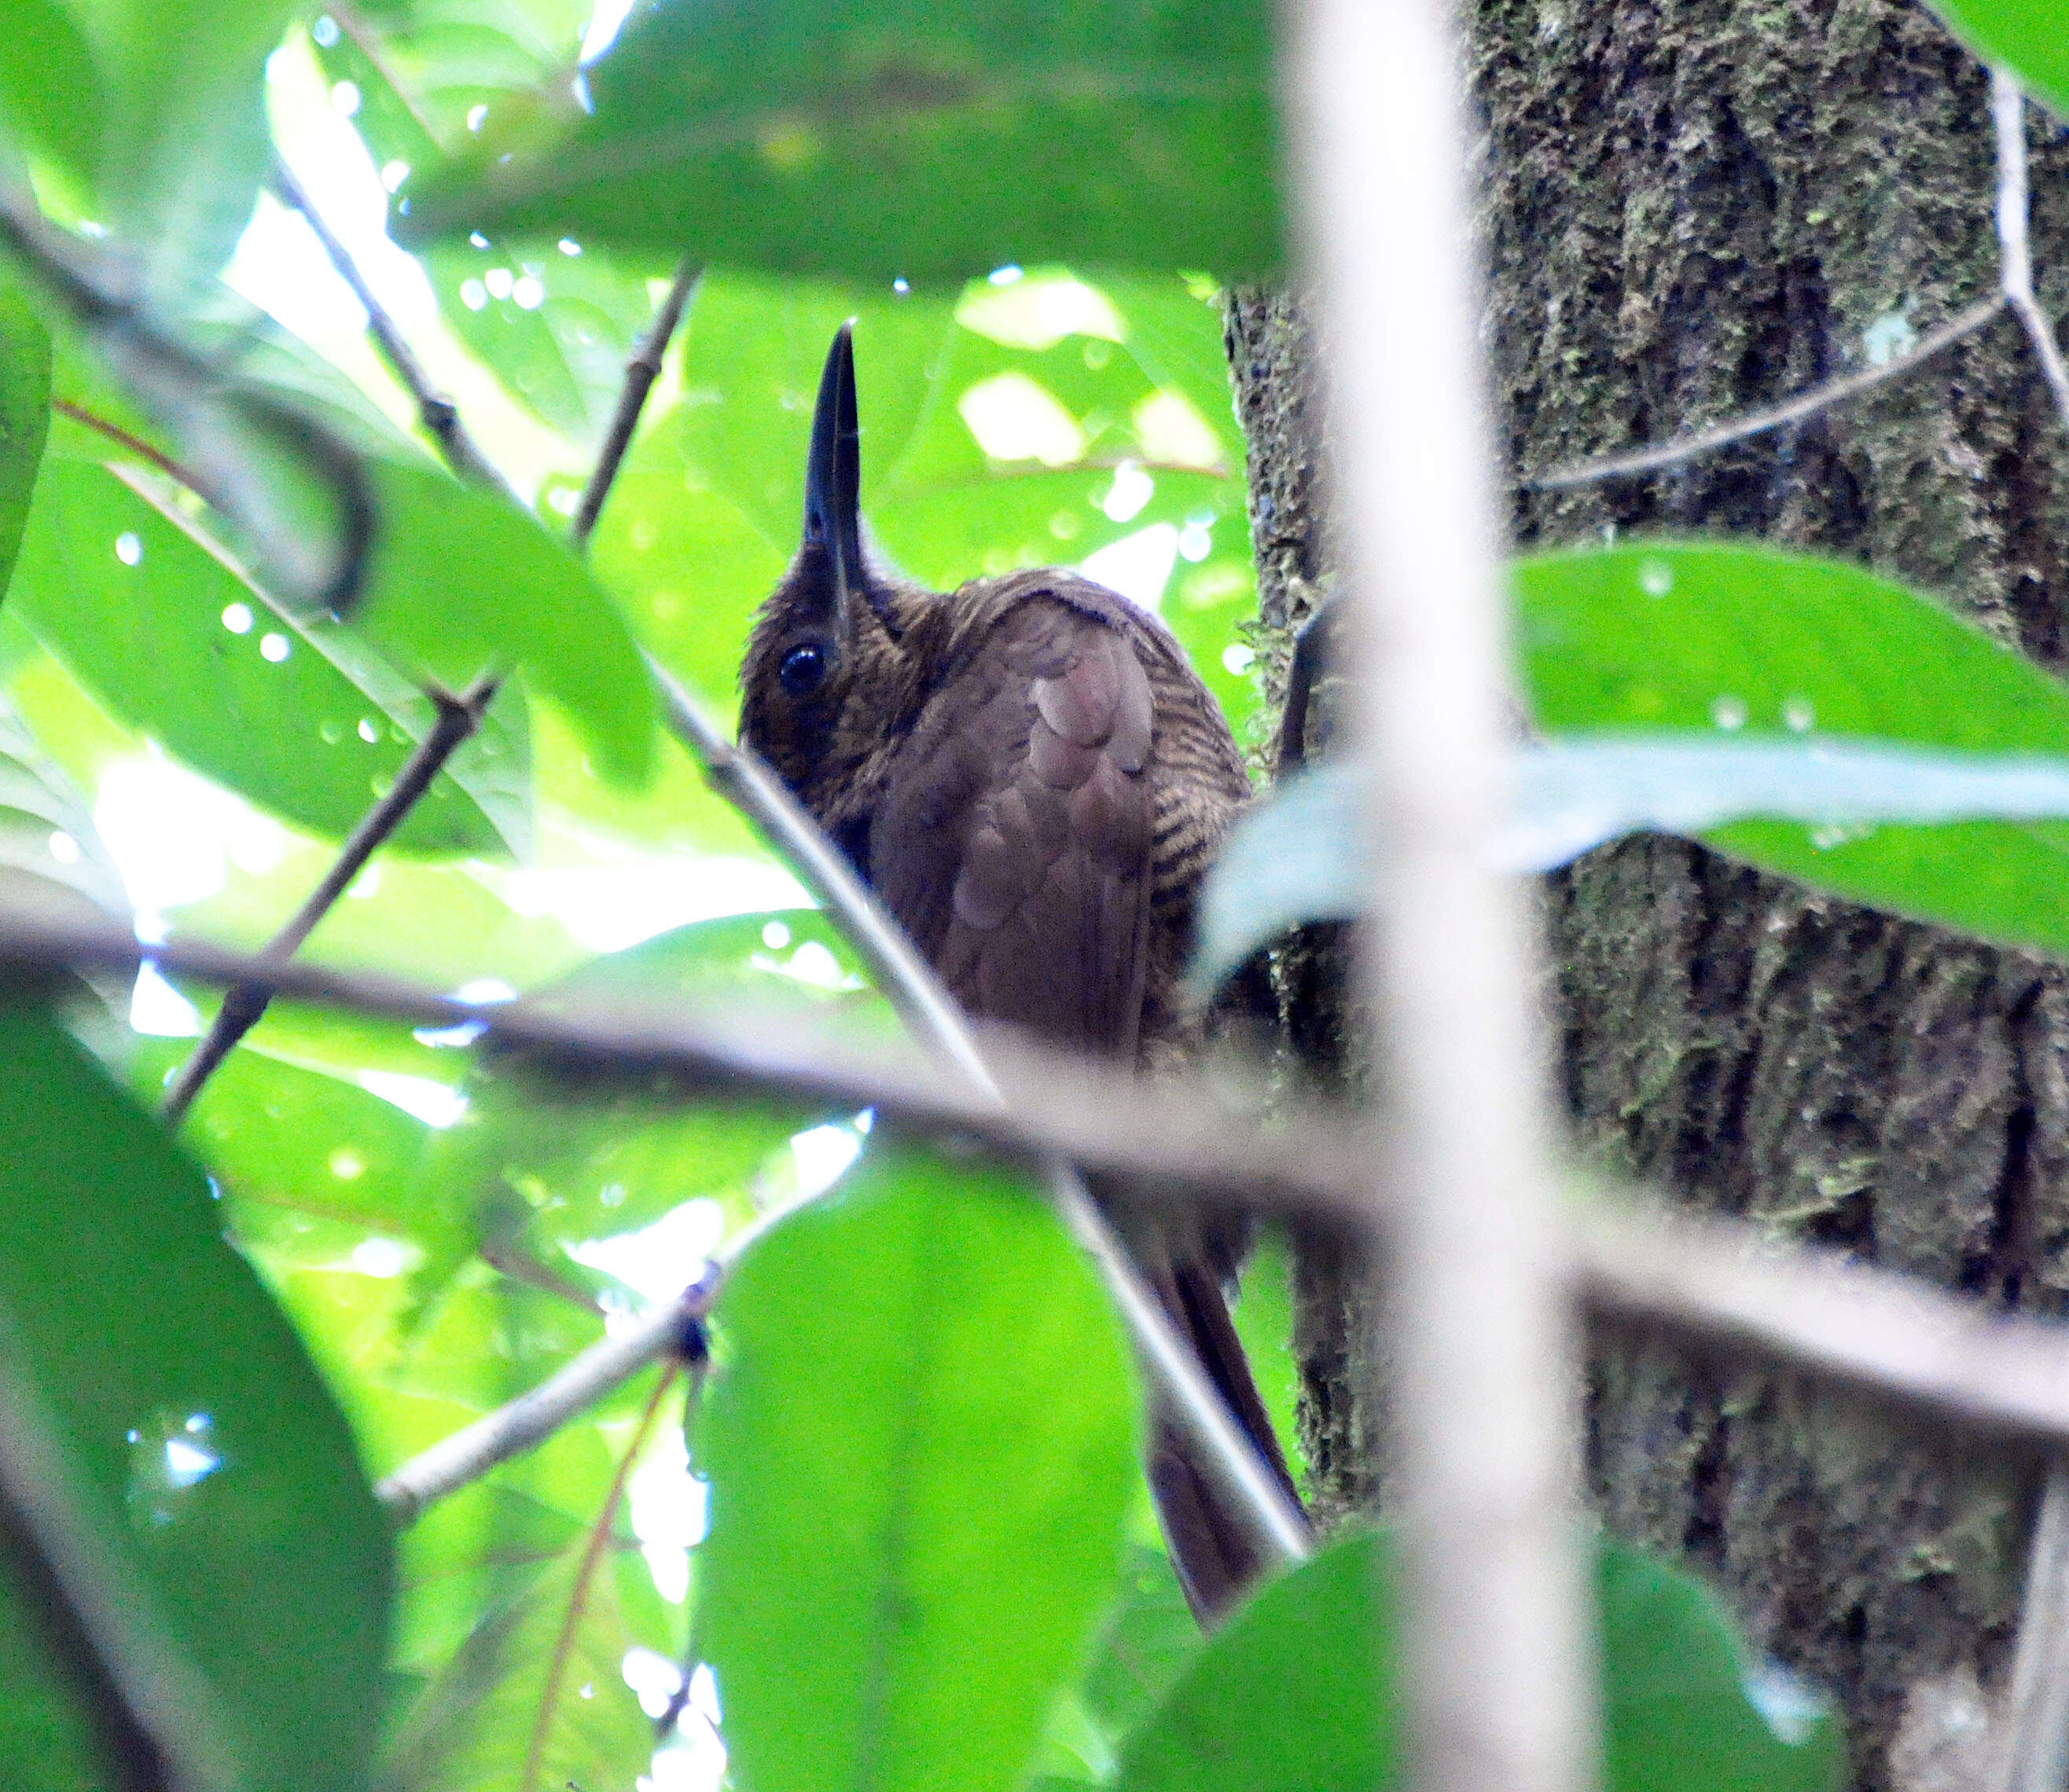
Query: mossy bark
1690	208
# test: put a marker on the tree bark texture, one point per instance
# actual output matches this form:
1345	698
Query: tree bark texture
1692	208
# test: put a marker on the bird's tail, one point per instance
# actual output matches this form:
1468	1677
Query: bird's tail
1210	1544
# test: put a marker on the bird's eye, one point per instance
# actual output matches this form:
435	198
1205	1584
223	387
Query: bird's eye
803	670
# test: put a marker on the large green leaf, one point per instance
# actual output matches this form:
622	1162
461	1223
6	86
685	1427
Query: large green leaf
1749	643
1297	1693
196	1485
926	141
182	143
2027	36
51	101
920	1445
459	582
175	642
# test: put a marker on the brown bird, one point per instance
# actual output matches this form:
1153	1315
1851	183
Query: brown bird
1032	779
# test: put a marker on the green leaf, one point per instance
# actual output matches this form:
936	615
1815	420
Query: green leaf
1746	642
920	1444
46	831
2026	35
25	415
460	581
1297	1692
918	140
183	140
50	90
140	607
200	1482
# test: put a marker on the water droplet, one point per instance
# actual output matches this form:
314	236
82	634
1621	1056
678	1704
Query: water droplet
901	285
368	732
776	935
344	98
169	1458
332	732
1799	715
393	174
569	246
499	281
64	848
529	293
1729	713
273	648
1655	577
1195	541
129	547
478	240
380	1258
1238	658
476	117
588	1690
1004	276
612	1195
324	31
346	1164
237	618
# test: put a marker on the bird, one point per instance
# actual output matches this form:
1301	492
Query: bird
1032	779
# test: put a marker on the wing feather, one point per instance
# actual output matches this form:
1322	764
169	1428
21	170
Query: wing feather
1019	822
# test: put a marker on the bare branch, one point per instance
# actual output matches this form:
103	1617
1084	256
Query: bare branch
440	415
1480	1338
641	372
1936	341
1721	1286
2015	252
1279	1530
244	1003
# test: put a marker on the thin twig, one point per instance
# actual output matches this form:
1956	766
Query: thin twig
641	372
244	1003
599	1535
440	415
1279	1530
2014	249
124	439
1935	342
1479	1336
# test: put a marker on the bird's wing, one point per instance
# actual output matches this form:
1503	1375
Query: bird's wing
1014	842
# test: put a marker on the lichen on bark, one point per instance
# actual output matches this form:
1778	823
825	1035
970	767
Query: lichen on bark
1690	208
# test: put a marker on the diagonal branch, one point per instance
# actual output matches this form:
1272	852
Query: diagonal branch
641	372
244	1003
440	415
1936	341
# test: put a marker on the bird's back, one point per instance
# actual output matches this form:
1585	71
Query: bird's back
1045	822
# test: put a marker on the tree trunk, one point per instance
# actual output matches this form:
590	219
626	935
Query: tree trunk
1692	208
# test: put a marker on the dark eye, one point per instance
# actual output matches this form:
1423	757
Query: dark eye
802	671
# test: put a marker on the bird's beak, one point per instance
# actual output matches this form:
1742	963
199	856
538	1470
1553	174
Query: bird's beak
833	479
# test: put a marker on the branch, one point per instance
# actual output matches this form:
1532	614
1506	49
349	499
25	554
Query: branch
1722	1286
641	372
1279	1530
1477	1332
2015	267
440	415
1791	411
244	1003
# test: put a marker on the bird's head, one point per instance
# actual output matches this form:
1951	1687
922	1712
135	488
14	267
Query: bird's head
833	659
